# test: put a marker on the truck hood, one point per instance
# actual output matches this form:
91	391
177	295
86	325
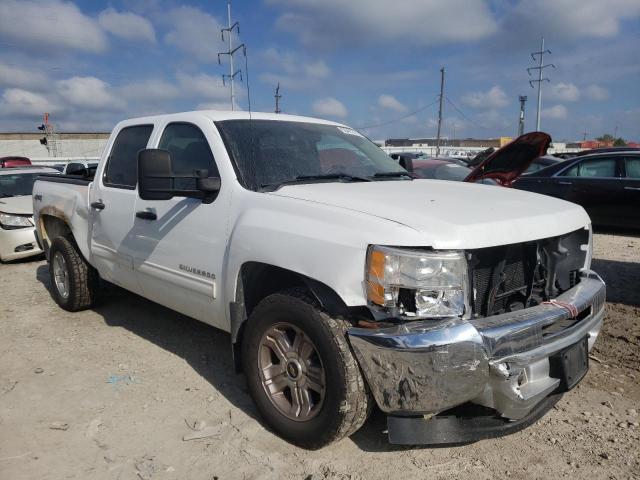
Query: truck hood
450	215
22	205
507	163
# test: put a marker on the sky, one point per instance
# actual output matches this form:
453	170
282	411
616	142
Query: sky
367	63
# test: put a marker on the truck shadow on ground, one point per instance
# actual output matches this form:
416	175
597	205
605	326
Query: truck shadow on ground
206	349
622	279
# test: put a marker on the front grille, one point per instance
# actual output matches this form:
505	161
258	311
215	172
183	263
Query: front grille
516	276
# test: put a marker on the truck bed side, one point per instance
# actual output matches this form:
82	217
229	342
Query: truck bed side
60	207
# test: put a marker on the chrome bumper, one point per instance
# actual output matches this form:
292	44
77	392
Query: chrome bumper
502	362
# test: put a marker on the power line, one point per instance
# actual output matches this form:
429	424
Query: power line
395	120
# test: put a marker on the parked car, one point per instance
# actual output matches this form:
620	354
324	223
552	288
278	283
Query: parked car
17	232
607	185
542	162
435	168
7	162
342	280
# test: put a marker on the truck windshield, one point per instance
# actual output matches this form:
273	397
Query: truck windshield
271	153
17	184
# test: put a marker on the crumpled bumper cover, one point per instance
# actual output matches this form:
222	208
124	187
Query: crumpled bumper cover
501	362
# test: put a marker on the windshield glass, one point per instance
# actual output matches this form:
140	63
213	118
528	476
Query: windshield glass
272	152
15	185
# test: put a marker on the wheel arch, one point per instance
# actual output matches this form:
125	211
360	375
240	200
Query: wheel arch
257	280
51	225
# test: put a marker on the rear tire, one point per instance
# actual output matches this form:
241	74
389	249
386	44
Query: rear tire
74	283
328	414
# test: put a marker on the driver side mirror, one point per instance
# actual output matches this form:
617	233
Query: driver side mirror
156	180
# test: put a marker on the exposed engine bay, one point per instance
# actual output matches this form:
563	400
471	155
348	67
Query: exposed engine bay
512	277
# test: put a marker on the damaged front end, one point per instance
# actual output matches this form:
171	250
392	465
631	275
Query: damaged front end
532	312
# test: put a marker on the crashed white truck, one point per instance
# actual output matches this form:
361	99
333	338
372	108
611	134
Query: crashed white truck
461	310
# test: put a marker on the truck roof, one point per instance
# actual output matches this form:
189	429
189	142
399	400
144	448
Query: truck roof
220	115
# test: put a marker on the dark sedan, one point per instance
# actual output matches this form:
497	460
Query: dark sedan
607	185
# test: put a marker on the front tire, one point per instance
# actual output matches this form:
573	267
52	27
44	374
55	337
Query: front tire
301	372
74	282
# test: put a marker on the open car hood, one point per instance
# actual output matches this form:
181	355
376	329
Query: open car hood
507	163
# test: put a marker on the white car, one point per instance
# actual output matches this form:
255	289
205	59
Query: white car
343	281
17	237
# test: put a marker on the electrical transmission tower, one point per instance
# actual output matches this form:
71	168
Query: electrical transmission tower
440	111
523	100
277	96
50	139
231	52
541	66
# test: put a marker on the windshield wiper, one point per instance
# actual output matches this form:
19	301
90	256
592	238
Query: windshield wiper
392	175
343	177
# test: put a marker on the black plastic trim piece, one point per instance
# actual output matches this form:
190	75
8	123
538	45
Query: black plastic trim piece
450	429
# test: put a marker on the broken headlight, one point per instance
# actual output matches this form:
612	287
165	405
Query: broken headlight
416	283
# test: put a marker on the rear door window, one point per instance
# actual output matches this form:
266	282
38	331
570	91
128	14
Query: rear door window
593	168
122	165
632	166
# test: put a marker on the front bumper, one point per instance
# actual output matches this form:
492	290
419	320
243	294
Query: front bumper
504	362
18	243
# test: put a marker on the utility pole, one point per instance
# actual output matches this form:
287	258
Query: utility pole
440	111
231	52
523	100
277	96
584	136
541	66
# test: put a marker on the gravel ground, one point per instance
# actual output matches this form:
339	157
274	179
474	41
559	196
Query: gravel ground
113	392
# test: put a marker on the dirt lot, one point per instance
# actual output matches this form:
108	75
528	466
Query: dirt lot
112	392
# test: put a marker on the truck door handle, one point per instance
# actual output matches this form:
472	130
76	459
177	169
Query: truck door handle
147	215
37	197
97	205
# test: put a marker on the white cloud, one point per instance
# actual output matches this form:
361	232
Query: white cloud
556	112
53	24
392	103
194	32
89	93
16	101
420	22
215	106
571	18
12	76
127	25
330	107
494	98
152	90
204	86
596	92
317	69
564	92
292	71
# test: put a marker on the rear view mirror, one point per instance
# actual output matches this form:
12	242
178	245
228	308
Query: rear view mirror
154	174
156	180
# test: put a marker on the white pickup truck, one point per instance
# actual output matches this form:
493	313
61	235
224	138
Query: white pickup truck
461	310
